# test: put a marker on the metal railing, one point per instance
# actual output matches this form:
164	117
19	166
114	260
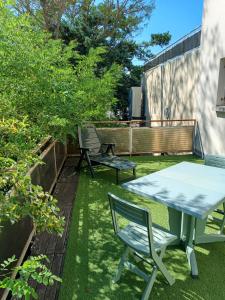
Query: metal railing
186	43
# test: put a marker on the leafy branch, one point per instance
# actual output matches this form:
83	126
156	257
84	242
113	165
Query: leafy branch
33	268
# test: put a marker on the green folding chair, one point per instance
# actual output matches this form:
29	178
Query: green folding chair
219	162
96	153
142	240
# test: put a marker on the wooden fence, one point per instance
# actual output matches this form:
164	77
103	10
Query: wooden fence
46	174
15	238
146	137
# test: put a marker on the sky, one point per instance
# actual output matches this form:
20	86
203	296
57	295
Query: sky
179	17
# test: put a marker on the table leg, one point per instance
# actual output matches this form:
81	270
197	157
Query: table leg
190	252
184	226
200	227
201	237
210	238
175	222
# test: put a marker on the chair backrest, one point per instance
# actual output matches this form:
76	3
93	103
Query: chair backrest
88	138
132	213
215	161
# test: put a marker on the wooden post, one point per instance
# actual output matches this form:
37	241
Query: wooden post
161	94
130	139
55	158
194	137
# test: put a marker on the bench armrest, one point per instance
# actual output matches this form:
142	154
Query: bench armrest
109	144
84	149
110	148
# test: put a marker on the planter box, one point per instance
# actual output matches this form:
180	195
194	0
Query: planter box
15	239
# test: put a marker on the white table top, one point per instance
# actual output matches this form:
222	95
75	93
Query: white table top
188	187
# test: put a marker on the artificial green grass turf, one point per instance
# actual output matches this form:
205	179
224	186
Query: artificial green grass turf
93	251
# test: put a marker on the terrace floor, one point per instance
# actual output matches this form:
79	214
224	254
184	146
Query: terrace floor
52	245
93	252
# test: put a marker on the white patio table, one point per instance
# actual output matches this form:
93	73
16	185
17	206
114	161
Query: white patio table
191	192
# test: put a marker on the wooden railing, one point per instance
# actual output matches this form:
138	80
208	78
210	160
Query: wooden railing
148	123
46	174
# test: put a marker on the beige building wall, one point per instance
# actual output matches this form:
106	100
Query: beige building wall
212	127
171	88
193	85
152	86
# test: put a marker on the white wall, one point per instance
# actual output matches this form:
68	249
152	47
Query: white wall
189	84
173	85
212	128
152	85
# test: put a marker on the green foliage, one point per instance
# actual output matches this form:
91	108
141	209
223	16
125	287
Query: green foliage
18	196
14	133
39	82
42	94
161	39
113	25
110	24
33	268
129	79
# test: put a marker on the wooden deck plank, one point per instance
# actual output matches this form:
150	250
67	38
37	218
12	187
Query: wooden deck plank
51	292
68	174
65	193
71	161
52	245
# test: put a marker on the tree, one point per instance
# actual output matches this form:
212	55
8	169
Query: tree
53	11
47	12
113	24
40	83
41	94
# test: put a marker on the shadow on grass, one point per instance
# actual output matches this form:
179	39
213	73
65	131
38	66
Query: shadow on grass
93	251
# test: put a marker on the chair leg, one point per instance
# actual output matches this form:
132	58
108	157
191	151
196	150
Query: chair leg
162	267
110	148
121	265
148	289
89	164
223	221
136	270
80	161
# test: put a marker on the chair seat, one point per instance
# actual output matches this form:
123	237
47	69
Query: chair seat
113	161
136	237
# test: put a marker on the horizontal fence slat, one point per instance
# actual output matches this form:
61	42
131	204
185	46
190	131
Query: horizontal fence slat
162	139
119	136
60	155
